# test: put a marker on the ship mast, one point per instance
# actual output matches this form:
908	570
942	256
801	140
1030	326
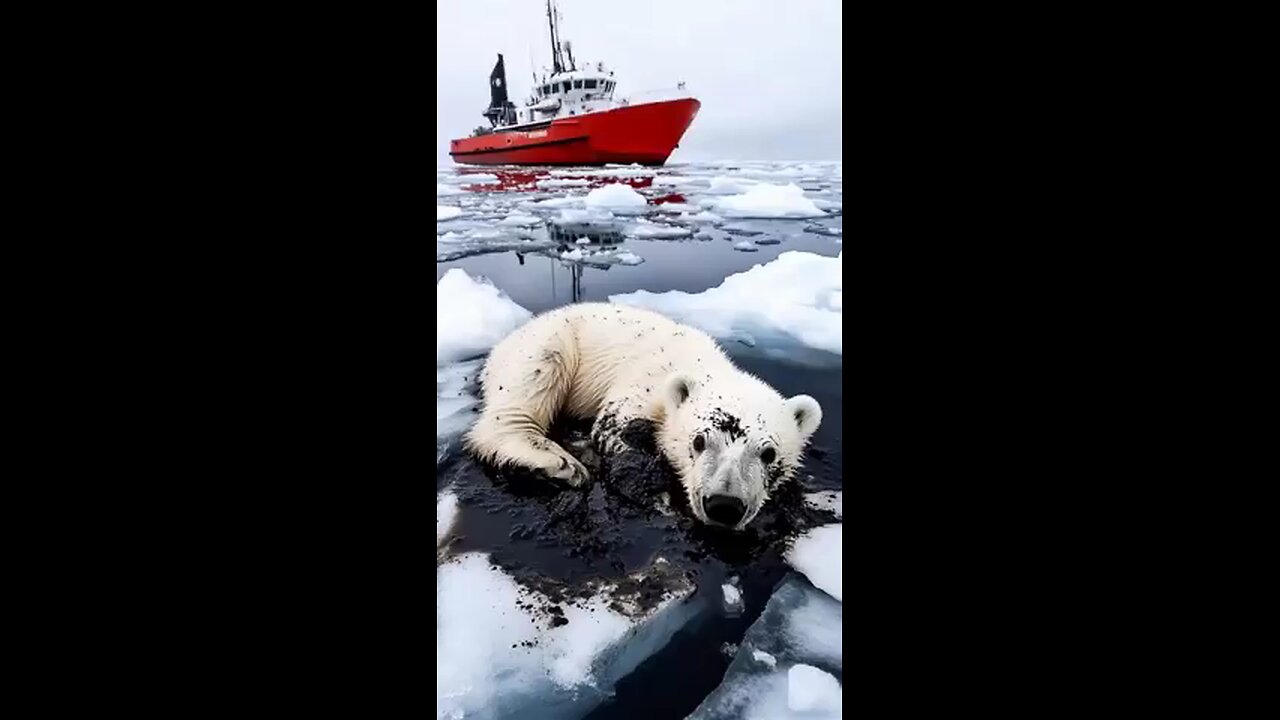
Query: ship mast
557	56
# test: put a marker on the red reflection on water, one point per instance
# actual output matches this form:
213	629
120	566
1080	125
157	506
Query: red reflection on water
527	181
508	181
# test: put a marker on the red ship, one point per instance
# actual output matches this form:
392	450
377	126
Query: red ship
572	118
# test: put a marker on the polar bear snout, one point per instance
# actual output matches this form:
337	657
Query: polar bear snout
724	510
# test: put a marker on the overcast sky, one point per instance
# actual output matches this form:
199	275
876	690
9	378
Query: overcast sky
767	72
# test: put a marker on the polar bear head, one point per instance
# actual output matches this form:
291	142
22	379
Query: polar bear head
733	440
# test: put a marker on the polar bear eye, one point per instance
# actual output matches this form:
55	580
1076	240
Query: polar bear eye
699	443
768	456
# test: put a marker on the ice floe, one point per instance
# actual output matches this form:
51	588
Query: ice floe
601	257
616	197
561	202
520	220
472	316
767	201
657	231
793	301
446	513
729	185
506	651
818	554
775	673
811	690
447	212
701	218
732	599
571	216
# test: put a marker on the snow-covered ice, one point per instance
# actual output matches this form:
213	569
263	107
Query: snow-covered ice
702	218
608	256
795	300
573	217
616	197
684	197
764	657
812	690
558	202
800	627
657	231
498	655
746	246
520	220
446	513
732	599
767	201
818	554
729	185
824	230
472	316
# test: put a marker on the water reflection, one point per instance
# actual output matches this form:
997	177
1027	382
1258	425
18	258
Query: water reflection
598	234
574	243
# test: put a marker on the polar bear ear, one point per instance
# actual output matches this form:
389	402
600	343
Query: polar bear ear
679	387
806	412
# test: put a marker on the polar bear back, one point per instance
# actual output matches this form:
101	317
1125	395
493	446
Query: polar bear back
600	350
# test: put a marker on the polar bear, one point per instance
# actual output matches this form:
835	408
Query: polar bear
731	437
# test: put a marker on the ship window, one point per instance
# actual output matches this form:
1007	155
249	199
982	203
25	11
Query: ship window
591	84
546	89
566	85
577	84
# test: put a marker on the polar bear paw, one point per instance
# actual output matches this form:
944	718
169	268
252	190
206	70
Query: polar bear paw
566	468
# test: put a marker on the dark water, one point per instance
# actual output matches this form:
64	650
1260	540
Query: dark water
554	538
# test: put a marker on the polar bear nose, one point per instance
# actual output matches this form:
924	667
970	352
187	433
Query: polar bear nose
724	509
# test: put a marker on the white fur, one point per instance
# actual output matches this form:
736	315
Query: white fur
625	363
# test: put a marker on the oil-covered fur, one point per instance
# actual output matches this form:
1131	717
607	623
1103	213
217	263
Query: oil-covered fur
731	437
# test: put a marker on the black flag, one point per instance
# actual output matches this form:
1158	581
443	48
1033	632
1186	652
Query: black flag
498	85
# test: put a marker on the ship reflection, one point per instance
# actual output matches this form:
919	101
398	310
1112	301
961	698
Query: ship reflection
571	256
567	236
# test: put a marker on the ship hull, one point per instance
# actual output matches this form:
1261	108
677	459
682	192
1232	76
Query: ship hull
645	134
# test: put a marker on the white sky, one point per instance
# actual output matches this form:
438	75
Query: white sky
767	72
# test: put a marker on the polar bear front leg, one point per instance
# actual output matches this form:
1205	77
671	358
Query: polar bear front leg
505	439
522	396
